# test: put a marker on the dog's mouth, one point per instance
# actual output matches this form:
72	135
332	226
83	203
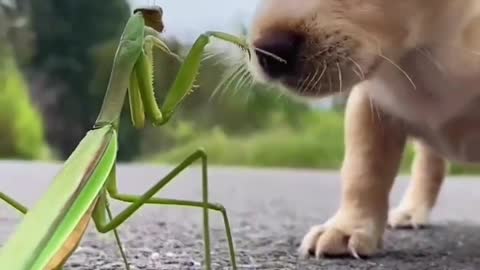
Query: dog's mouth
311	68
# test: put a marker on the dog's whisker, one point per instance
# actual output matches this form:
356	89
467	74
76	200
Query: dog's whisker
340	79
226	80
318	81
274	56
312	79
208	55
360	69
250	82
317	54
241	81
303	82
359	76
329	82
234	78
430	58
399	69
372	113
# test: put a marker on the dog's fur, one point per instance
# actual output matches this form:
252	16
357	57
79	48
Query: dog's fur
412	69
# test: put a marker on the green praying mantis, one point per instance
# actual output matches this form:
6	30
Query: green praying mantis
50	232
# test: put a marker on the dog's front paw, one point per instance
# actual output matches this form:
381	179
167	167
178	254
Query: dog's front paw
351	238
409	217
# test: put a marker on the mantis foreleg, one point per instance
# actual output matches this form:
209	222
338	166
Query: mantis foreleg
147	198
183	84
185	79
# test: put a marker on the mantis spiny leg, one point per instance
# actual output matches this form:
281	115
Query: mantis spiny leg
187	74
147	198
117	238
185	79
13	203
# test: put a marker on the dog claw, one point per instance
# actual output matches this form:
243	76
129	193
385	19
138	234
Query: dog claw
354	253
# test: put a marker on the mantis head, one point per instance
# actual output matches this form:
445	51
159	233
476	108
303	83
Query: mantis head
153	17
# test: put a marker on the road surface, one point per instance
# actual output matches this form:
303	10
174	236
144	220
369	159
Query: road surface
270	210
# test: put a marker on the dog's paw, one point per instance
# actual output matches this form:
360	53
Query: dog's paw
335	239
408	218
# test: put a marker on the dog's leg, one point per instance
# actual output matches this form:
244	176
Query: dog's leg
428	172
374	148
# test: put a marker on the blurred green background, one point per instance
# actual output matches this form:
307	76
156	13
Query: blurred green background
55	60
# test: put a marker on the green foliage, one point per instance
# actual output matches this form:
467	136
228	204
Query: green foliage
316	142
21	125
66	33
465	169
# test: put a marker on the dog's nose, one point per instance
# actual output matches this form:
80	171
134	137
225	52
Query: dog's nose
277	52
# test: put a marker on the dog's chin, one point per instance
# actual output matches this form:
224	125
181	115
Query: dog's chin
319	92
292	87
299	87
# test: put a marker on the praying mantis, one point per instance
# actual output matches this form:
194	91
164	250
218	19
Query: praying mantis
50	232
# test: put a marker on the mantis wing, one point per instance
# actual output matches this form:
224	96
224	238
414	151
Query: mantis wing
47	227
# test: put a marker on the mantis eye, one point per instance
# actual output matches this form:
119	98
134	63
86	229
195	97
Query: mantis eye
153	16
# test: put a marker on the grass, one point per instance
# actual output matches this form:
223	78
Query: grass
316	143
306	146
22	135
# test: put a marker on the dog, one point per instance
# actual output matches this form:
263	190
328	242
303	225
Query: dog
411	69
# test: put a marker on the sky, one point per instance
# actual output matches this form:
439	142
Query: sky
186	19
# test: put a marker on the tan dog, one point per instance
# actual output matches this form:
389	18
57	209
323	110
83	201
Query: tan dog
413	68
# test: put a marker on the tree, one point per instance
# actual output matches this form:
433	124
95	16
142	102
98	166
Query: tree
67	33
22	133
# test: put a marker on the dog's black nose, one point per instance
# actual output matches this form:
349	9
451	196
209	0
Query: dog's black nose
277	52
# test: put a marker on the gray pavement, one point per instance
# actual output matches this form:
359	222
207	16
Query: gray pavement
270	210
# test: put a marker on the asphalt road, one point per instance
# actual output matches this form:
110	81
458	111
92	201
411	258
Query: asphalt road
270	210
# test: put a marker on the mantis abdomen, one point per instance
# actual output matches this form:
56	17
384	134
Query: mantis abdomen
61	214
